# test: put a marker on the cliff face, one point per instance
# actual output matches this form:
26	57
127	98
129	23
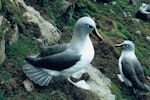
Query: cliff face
30	26
28	23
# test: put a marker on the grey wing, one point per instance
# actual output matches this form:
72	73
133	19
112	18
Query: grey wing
54	50
139	71
57	62
130	73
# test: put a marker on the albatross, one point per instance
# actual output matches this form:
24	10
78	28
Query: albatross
64	59
131	71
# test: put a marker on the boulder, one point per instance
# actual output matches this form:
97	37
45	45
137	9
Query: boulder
48	33
96	82
99	84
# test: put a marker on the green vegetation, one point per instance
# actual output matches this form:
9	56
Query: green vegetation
5	76
147	71
18	51
2	95
1	33
115	90
125	30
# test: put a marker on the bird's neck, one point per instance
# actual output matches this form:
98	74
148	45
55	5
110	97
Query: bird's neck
78	41
128	54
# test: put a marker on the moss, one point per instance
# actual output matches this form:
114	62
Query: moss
2	95
8	6
12	13
115	90
1	33
123	31
147	71
18	51
58	94
16	19
0	5
107	70
4	75
115	33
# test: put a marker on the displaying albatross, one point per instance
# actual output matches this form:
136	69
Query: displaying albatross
64	59
131	70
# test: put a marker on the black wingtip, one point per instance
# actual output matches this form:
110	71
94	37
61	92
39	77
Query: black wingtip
29	60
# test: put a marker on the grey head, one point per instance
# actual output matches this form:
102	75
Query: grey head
84	26
127	45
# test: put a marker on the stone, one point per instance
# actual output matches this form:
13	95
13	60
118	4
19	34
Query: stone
138	32
28	85
148	38
2	51
2	44
48	32
99	84
65	5
96	83
14	35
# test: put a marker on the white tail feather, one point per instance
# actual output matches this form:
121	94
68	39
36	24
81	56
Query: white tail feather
37	75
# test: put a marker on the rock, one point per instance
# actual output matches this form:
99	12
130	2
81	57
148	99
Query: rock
138	32
2	44
136	20
48	32
95	82
99	84
148	38
65	5
11	86
114	3
28	85
2	51
14	35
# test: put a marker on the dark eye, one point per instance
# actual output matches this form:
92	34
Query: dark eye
90	26
126	45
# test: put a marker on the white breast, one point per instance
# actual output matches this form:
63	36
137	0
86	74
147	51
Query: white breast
87	55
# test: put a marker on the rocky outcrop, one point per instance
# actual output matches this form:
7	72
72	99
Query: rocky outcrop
14	35
99	84
2	43
2	50
8	34
48	33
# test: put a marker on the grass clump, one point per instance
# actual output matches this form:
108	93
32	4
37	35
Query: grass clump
4	76
115	90
147	71
2	95
123	31
19	50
